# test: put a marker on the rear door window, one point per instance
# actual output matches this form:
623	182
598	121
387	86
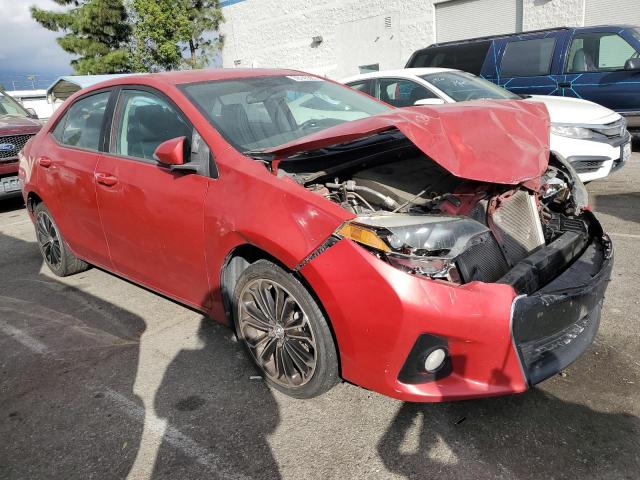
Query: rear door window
468	57
363	86
528	58
402	93
83	124
594	52
146	121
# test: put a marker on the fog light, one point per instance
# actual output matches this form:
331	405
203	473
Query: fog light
435	360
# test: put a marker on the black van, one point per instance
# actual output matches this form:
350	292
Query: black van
601	64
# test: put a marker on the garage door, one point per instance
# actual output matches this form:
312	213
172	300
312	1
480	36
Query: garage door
461	19
600	12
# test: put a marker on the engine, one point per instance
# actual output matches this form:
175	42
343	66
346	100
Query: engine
437	225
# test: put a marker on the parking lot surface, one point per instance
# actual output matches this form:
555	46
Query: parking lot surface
100	378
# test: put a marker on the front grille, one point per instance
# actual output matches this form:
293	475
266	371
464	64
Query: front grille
587	166
611	130
11	145
483	261
516	225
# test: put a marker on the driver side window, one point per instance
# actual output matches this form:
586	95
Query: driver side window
146	121
593	52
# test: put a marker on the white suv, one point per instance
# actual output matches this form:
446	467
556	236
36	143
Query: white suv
591	137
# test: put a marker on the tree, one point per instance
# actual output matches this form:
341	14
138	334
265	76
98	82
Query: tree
96	30
204	16
164	29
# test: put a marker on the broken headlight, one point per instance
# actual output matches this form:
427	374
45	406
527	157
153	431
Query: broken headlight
419	244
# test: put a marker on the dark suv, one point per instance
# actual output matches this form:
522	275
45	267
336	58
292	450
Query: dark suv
17	126
601	64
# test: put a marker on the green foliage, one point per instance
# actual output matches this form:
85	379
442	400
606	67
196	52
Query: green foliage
95	30
164	29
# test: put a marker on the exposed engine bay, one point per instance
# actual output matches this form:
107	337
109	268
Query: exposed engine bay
417	216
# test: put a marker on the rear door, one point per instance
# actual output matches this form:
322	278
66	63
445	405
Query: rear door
152	216
67	159
530	64
594	68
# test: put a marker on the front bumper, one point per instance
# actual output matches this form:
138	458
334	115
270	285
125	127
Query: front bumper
378	313
592	159
552	327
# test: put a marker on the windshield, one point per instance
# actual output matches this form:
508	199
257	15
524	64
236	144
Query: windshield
8	106
462	86
262	112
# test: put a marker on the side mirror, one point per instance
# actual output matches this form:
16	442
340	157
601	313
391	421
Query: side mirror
632	64
32	113
171	152
430	101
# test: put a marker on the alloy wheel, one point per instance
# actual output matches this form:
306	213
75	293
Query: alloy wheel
277	331
49	240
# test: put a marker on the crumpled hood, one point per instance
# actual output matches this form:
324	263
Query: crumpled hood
486	140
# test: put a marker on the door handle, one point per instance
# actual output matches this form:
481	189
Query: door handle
564	84
106	179
45	162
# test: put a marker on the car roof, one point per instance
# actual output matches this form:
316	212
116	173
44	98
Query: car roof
402	72
193	76
517	34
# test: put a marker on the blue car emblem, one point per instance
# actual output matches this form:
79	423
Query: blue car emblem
7	147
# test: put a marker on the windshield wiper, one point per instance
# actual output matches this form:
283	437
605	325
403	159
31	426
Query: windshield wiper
259	154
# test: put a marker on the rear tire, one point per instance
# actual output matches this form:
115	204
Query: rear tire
54	250
284	331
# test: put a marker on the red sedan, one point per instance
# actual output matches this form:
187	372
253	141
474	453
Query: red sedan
427	253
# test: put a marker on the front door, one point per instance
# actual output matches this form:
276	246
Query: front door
595	71
152	216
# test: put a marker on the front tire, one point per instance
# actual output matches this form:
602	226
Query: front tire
284	331
54	250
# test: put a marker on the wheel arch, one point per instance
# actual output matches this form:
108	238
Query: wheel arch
33	199
239	259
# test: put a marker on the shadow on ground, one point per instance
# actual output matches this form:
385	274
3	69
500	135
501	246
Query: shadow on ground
60	349
68	364
513	437
11	204
205	393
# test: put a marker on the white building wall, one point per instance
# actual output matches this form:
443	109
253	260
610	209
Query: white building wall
539	14
279	33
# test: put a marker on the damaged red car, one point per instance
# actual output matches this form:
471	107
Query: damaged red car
428	253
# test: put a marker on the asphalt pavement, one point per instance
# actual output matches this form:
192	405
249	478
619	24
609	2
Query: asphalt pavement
100	378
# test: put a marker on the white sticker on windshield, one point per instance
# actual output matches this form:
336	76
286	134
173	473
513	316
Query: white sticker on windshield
303	78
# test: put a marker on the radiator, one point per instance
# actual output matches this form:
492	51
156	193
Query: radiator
516	225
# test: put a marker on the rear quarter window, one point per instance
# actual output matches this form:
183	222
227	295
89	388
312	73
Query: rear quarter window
468	57
528	58
82	123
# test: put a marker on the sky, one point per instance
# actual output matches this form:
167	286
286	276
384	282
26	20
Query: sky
26	47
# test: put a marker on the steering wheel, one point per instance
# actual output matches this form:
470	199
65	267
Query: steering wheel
311	123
